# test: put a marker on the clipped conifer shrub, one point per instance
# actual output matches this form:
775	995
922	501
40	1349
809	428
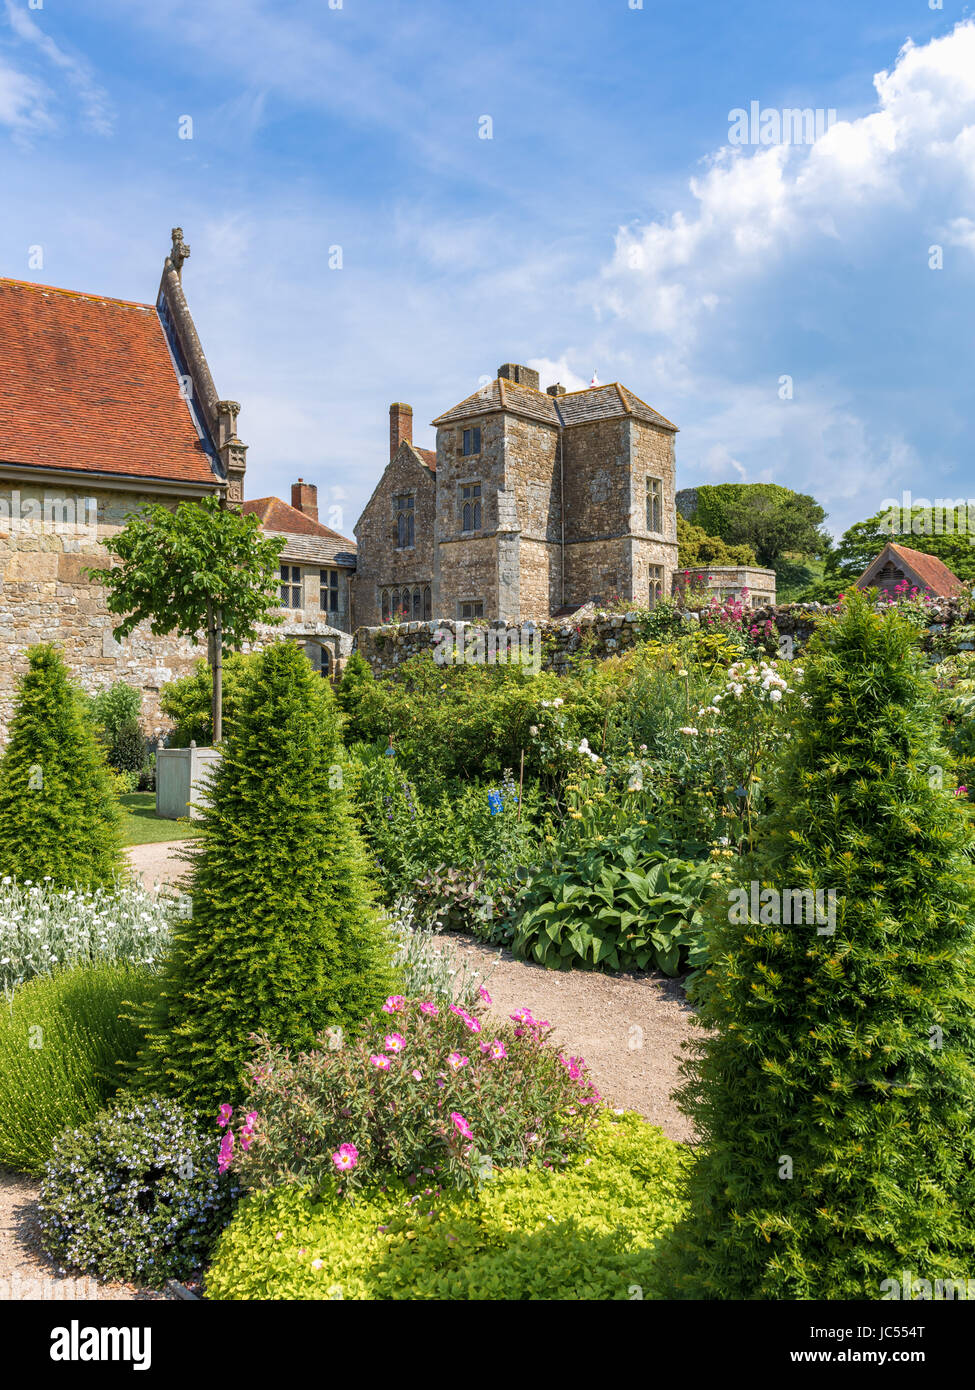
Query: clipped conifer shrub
283	938
59	818
835	1093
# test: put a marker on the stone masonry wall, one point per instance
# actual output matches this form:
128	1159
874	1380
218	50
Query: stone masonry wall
45	596
380	562
607	634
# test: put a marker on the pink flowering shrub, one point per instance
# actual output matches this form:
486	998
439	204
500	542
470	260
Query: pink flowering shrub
444	1098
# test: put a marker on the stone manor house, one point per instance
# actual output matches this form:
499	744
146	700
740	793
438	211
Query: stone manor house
106	405
532	503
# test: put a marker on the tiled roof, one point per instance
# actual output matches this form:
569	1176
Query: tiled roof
931	571
320	550
87	384
429	457
574	408
283	519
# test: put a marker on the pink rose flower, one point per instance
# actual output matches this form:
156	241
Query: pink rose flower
394	1042
461	1125
345	1157
381	1062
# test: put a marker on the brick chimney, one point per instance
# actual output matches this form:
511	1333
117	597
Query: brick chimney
304	498
521	376
400	426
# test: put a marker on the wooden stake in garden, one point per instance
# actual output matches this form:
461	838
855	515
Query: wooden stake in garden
521	782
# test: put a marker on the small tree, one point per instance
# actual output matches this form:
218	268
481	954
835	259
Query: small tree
114	706
128	752
283	938
201	568
835	1092
58	815
356	679
188	702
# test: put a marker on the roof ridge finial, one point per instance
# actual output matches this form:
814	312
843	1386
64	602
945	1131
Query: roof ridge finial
179	252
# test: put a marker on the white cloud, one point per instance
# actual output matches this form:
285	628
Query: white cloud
550	372
23	101
93	98
756	209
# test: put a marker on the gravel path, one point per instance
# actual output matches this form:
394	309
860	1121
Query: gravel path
25	1272
629	1029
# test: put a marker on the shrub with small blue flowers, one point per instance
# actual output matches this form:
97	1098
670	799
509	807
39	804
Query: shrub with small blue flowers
135	1194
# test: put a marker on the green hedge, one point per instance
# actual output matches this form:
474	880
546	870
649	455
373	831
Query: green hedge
60	1038
589	1231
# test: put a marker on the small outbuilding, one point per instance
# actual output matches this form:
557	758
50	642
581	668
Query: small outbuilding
897	565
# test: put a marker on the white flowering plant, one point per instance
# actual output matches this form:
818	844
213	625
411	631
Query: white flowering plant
747	718
44	928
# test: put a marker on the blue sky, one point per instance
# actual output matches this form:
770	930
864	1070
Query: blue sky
608	225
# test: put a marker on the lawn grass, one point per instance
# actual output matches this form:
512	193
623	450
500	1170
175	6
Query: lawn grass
141	825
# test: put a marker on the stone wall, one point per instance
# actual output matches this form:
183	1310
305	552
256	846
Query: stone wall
46	597
380	562
604	634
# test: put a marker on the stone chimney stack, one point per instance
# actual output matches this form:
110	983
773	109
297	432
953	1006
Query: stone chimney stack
400	426
557	390
521	376
304	498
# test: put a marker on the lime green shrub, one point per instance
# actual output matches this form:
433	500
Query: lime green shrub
283	938
835	1091
61	1039
187	701
58	814
589	1231
356	680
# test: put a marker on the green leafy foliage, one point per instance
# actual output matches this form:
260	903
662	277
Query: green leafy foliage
134	1194
356	679
624	903
697	548
283	937
202	567
58	814
471	722
417	830
771	519
128	749
187	701
61	1039
834	1090
588	1231
431	1089
114	706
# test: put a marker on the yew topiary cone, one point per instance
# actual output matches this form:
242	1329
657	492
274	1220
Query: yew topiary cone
283	938
835	1098
58	813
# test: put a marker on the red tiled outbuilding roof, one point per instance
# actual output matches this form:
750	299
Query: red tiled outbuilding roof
88	384
928	571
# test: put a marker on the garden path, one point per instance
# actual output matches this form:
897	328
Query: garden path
628	1028
25	1271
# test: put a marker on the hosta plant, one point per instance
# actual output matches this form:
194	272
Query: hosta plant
430	1092
624	903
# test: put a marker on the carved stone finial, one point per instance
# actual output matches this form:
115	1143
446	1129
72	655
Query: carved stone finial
179	252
